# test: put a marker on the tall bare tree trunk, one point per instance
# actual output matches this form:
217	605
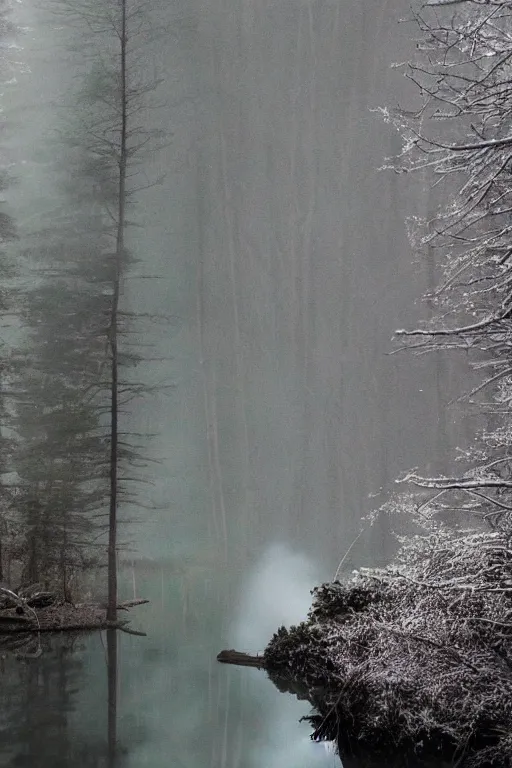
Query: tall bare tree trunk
114	383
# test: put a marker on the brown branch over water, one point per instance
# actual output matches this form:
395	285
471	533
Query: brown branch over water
241	659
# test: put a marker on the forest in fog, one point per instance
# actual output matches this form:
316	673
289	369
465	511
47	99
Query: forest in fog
67	460
214	217
264	379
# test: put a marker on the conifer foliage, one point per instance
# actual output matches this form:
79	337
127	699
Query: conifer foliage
68	380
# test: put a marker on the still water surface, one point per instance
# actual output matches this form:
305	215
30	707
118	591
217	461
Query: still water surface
284	266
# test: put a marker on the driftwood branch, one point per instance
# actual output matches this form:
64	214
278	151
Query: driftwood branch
241	659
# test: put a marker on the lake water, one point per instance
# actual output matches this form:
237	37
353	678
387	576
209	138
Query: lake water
283	269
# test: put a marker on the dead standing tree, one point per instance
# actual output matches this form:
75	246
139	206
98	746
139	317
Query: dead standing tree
462	137
112	105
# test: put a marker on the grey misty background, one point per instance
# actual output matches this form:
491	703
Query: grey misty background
283	266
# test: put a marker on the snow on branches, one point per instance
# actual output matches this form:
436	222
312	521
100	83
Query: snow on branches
460	140
416	656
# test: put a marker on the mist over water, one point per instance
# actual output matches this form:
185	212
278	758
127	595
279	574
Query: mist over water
275	592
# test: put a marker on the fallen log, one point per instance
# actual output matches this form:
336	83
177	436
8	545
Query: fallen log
33	629
241	659
64	617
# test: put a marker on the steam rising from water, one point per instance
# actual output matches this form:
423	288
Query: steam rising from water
276	592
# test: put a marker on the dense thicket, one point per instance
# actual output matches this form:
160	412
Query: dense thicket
415	658
60	407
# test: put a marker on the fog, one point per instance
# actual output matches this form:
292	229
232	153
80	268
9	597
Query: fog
274	257
286	266
275	593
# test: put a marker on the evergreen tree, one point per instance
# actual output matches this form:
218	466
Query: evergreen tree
71	377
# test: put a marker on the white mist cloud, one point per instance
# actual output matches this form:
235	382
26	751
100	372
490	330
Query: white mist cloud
276	592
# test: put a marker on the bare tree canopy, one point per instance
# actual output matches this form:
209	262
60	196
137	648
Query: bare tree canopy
459	139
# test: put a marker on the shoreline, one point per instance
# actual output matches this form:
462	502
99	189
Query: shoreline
64	617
